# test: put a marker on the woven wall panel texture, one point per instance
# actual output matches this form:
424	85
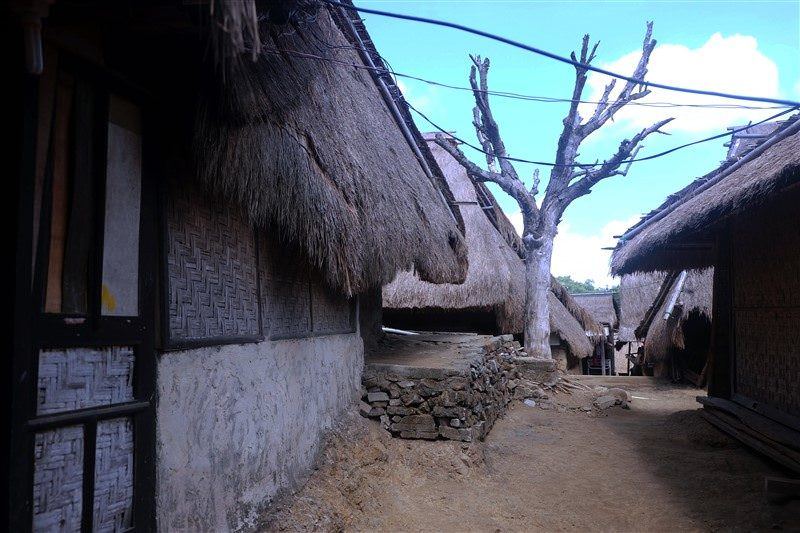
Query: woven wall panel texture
58	479
113	475
76	378
211	267
333	313
768	357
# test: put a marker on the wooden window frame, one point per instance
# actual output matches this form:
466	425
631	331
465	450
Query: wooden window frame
49	330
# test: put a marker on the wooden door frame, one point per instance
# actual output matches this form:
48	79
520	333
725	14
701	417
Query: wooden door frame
35	330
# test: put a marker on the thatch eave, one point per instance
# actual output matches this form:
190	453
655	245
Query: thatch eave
312	153
678	234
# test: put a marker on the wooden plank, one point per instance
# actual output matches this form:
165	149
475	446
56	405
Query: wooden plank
754	443
60	202
781	487
755	421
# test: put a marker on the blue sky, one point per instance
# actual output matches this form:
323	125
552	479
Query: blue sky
746	47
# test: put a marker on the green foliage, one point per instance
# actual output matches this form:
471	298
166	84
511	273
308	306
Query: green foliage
577	287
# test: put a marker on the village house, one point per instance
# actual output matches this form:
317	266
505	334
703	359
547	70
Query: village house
601	306
205	212
636	295
742	219
677	327
492	299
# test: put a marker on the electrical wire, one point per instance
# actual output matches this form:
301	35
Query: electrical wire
562	59
728	133
589	166
507	94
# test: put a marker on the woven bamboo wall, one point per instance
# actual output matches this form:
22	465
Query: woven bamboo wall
216	271
211	268
77	378
58	480
113	476
766	280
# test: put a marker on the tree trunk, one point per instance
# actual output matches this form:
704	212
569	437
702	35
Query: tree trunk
537	308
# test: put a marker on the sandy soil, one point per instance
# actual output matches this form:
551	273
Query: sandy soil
657	466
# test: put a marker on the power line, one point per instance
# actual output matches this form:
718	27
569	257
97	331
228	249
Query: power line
627	161
504	94
557	57
529	161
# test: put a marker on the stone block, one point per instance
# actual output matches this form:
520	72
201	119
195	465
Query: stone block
428	388
400	410
411	398
415	423
416	434
449	433
405	384
606	401
378	396
449	412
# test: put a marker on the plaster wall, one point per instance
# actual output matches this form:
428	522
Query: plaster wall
237	425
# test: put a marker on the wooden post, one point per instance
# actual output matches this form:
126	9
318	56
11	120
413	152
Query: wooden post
603	357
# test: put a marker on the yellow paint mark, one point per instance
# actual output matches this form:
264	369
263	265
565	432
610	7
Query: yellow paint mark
107	299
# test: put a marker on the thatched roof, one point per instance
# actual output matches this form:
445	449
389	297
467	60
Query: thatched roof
311	150
600	305
696	295
637	292
677	234
496	277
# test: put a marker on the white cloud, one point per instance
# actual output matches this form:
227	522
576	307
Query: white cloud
581	256
731	64
797	88
424	99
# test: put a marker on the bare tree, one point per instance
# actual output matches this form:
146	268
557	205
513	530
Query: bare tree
568	181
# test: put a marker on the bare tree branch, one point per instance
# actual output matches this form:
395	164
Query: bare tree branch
510	185
611	167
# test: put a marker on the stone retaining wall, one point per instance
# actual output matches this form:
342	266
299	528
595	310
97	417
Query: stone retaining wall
449	403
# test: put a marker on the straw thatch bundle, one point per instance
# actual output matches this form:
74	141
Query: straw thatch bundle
665	337
600	306
495	282
311	151
689	215
637	292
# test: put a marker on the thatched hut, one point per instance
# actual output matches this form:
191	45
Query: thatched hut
637	292
600	305
207	202
677	327
492	299
742	219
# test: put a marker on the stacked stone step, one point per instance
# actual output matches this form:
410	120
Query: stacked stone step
445	404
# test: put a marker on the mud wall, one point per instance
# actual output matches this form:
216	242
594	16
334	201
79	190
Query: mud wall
238	425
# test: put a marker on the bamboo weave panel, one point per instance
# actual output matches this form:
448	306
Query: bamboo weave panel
58	479
113	476
211	268
333	313
76	378
285	293
767	357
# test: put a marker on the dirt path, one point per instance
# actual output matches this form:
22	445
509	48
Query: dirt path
655	467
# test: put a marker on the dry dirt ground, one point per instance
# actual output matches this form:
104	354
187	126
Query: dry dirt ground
657	466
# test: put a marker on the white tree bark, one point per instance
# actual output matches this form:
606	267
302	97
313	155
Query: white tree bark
537	308
568	181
